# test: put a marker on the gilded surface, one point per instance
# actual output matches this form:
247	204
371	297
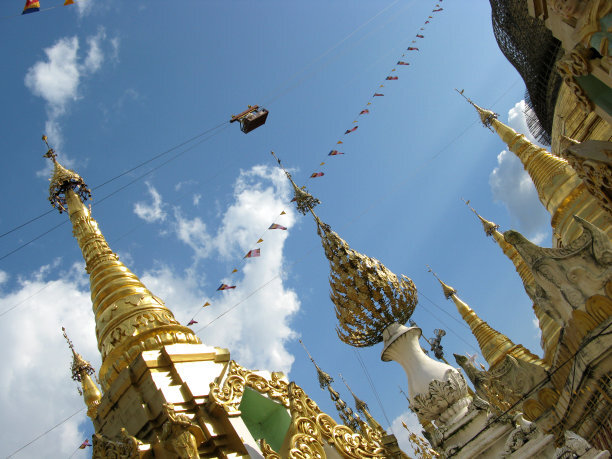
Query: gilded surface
180	435
573	64
229	394
129	318
367	296
126	447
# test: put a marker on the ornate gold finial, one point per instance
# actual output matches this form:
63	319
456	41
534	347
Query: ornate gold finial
447	289
368	297
359	404
63	180
81	372
489	227
486	116
324	379
304	201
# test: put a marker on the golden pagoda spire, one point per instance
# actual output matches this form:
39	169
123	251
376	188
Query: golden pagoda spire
494	346
81	372
549	327
349	418
129	318
362	407
367	296
559	188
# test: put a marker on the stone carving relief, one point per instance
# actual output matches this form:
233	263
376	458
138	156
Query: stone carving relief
566	277
523	432
443	399
576	446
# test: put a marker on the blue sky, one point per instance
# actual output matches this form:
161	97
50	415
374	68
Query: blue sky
115	83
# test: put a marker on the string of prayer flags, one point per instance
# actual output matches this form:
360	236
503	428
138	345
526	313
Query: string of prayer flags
402	63
253	253
85	444
392	78
334	153
317	174
32	6
226	287
277	226
191	322
348	131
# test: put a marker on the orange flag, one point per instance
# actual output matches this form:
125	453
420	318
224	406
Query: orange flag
206	304
234	271
260	240
283	213
69	2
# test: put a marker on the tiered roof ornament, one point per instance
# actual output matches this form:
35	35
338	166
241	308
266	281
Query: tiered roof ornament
368	297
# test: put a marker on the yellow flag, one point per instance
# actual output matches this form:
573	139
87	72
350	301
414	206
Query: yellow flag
339	142
369	103
321	164
382	86
393	70
283	213
260	240
206	304
234	271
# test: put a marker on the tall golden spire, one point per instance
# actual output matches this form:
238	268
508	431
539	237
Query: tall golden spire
493	345
81	372
367	296
129	318
559	188
549	327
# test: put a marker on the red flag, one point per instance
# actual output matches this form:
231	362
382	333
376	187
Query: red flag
420	36
226	287
69	2
253	253
334	153
294	199
317	174
410	48
348	131
191	322
439	9
32	6
85	444
430	17
276	226
402	63
376	94
363	112
391	78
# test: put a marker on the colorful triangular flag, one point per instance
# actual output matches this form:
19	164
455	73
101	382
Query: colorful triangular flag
411	48
348	131
277	226
283	213
32	6
234	270
85	444
364	111
191	322
420	36
376	94
402	63
439	9
339	142
69	2
226	287
260	240
317	174
253	253
334	153
206	304
322	164
392	78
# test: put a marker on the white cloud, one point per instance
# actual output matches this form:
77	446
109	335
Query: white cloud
196	199
84	7
518	122
511	185
57	79
151	212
